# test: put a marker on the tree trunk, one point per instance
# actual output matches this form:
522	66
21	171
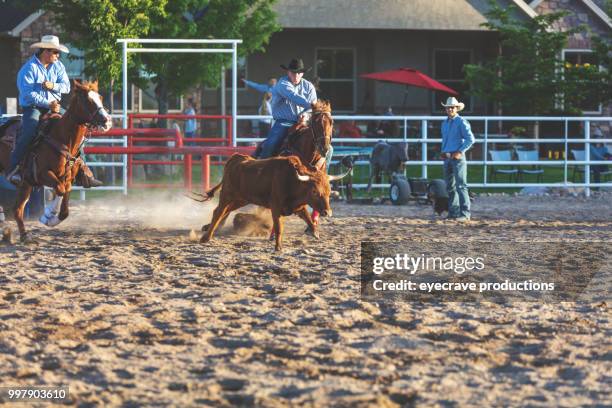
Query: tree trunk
161	93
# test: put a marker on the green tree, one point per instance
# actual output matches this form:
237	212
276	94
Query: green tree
529	76
95	25
253	21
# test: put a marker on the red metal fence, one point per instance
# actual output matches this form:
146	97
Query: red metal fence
146	136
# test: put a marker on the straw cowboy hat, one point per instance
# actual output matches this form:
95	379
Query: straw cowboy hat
50	41
452	101
296	65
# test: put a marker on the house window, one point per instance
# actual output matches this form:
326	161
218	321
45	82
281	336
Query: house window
335	68
448	69
580	59
148	102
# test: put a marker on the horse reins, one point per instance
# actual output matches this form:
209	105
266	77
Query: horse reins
319	140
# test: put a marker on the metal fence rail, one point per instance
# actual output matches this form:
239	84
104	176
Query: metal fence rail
485	138
423	132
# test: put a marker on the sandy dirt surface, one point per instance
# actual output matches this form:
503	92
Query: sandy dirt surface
124	307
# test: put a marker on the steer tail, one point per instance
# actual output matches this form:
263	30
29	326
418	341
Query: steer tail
201	198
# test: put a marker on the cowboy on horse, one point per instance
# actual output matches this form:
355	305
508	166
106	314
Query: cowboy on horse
41	82
292	97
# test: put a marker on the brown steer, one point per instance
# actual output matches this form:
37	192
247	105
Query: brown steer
282	184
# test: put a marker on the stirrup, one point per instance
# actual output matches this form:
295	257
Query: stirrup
14	177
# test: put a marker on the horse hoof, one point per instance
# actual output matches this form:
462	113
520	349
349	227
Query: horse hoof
51	221
205	227
204	240
312	232
7	236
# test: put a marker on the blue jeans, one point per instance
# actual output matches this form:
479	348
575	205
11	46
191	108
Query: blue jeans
275	138
190	135
29	124
455	175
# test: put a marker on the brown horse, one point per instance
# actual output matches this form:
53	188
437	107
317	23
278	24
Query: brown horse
54	162
311	143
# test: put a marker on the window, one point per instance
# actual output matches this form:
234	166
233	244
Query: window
74	63
335	69
448	69
580	59
148	102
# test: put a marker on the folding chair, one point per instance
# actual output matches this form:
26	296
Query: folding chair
530	155
502	155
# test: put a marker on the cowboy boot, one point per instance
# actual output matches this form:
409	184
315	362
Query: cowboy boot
85	178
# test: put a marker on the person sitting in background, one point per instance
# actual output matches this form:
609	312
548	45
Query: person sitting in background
349	129
387	128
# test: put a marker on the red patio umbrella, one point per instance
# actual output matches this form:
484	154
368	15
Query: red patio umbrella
410	76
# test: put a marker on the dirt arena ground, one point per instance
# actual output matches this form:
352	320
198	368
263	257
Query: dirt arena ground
123	306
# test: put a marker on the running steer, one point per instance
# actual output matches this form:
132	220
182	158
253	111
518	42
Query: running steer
282	184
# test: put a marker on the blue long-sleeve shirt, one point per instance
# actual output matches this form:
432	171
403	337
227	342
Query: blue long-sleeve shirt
263	88
289	101
31	77
599	152
457	135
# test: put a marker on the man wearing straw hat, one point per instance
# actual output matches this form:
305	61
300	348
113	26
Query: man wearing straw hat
41	82
457	138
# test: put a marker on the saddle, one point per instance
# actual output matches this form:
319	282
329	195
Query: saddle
284	148
29	168
293	132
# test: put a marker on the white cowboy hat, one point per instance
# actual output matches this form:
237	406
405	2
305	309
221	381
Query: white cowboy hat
452	101
50	41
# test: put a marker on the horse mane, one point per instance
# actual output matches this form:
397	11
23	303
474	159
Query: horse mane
321	106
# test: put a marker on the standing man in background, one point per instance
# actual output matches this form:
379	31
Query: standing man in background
457	138
190	124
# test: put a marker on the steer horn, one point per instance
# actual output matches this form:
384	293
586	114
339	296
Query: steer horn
338	177
302	178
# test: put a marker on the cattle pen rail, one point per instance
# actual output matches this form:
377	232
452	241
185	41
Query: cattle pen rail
489	136
187	151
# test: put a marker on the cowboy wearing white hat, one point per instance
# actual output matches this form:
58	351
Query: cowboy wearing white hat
41	82
452	101
50	42
457	138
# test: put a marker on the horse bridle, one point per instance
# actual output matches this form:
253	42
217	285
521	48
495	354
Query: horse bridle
319	140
